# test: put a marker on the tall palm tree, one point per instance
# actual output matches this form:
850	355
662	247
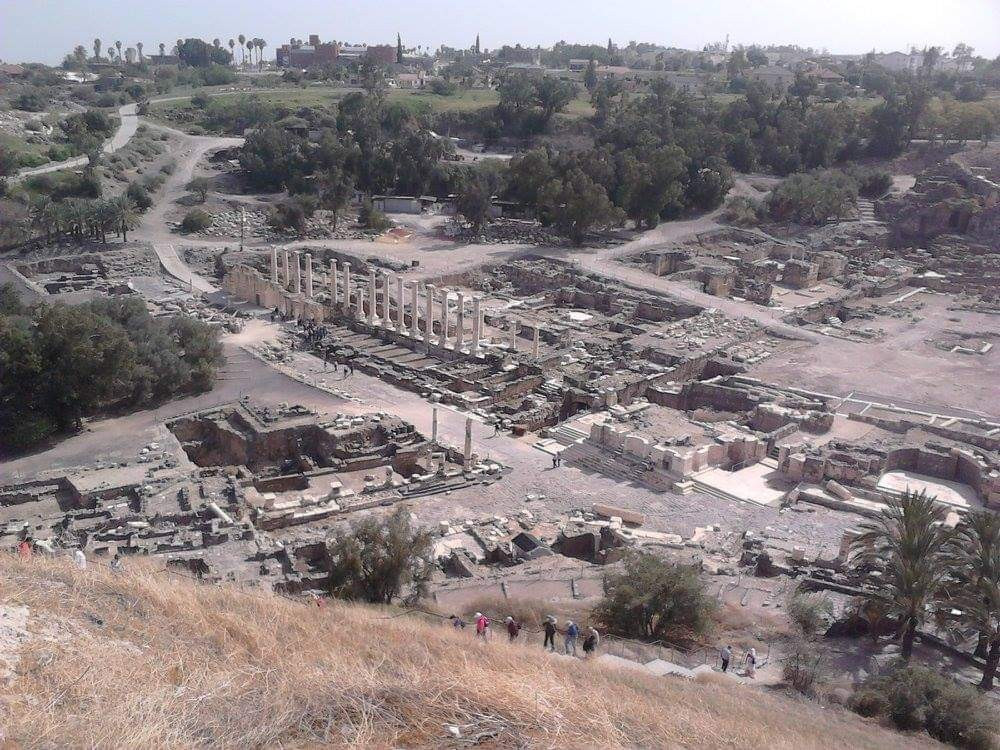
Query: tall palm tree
260	50
217	43
163	49
909	545
250	45
125	215
975	560
243	54
118	46
97	49
232	52
138	46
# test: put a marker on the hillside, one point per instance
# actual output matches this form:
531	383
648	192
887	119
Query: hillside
146	659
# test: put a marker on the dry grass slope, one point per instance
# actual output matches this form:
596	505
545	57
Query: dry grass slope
149	660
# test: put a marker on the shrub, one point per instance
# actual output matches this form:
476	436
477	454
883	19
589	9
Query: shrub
743	212
654	598
199	186
802	667
442	87
371	218
916	698
195	220
379	560
31	100
873	183
288	215
814	197
809	612
139	196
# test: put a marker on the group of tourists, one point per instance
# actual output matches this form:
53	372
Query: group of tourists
749	660
571	633
26	549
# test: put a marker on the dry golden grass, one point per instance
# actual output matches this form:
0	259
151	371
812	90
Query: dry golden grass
148	660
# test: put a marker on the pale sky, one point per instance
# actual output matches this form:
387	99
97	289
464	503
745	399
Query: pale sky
44	30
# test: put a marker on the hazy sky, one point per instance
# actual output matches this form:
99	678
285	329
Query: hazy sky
44	30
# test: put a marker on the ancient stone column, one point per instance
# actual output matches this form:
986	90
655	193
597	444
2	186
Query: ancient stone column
333	284
429	318
347	288
434	424
460	322
274	265
534	345
286	268
309	275
476	329
297	278
400	306
443	341
467	455
513	335
414	316
386	318
371	296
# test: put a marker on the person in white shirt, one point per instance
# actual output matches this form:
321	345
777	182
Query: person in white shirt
80	559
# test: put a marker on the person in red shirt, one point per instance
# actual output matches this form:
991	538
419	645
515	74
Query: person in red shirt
24	549
482	626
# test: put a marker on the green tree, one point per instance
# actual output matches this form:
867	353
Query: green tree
577	205
336	188
199	186
975	560
126	217
590	76
399	49
474	200
379	561
654	598
909	544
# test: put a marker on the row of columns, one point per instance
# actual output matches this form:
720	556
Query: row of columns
291	277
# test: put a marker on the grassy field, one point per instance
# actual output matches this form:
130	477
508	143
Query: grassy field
147	659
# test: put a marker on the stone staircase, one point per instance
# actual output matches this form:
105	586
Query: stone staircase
565	434
866	211
591	458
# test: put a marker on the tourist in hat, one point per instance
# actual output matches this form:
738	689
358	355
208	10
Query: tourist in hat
482	626
513	629
751	663
591	642
549	626
569	638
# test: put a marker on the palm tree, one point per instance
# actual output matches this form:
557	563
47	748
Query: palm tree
250	46
243	40
118	46
180	43
125	215
40	214
163	49
97	49
976	561
232	53
908	544
260	49
138	46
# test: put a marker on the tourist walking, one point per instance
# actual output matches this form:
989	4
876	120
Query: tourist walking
591	642
457	622
482	626
117	565
24	549
513	629
751	663
80	559
549	626
725	655
569	640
